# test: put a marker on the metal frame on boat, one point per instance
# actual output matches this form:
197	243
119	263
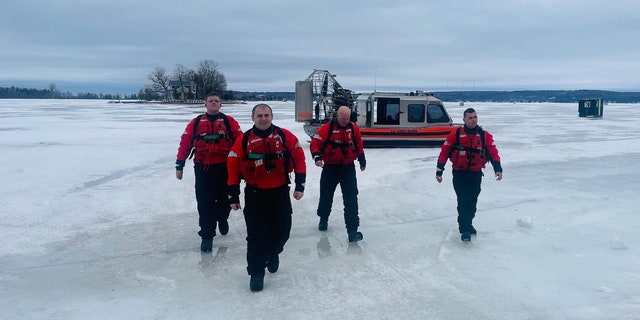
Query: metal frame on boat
386	119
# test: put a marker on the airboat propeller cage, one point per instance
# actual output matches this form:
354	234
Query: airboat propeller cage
319	96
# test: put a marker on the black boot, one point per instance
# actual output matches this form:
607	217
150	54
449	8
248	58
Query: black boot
465	236
223	227
273	263
470	229
355	236
324	223
257	282
206	245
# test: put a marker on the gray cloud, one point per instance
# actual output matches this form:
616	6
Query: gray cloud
268	45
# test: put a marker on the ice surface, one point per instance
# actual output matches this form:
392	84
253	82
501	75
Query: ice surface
94	225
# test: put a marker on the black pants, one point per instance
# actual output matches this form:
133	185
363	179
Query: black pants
211	195
267	214
467	187
345	175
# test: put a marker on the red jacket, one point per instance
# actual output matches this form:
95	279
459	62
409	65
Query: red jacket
265	162
212	141
342	145
469	154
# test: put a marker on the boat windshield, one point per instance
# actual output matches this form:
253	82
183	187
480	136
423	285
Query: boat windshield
436	113
415	113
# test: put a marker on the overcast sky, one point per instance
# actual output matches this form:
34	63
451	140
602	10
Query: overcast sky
112	46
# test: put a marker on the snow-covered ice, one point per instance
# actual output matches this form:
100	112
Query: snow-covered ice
94	224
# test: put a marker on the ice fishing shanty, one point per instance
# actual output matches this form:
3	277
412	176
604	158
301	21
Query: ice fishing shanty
590	108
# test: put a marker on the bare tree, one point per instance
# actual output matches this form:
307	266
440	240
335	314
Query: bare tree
160	81
219	82
182	74
209	78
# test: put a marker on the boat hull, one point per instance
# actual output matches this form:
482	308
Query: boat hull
405	137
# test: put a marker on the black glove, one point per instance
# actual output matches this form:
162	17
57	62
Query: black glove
233	191
362	161
496	166
300	180
180	165
317	156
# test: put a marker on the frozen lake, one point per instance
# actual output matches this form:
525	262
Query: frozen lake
94	224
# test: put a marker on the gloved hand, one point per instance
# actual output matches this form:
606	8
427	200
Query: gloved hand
180	165
300	180
233	191
362	161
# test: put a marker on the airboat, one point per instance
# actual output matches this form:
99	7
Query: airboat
386	119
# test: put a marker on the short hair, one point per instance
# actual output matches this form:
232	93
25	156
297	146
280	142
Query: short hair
469	110
213	94
261	105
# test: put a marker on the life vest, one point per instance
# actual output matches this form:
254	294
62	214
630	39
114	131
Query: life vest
266	158
341	146
469	152
211	139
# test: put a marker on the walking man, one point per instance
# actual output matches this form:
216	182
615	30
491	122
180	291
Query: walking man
208	138
264	156
469	148
334	148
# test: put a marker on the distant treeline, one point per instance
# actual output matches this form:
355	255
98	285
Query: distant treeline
488	96
29	93
449	96
539	96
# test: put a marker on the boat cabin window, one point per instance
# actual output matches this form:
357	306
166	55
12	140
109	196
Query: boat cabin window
415	113
388	111
436	113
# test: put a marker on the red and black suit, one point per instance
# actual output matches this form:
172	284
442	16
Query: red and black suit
264	159
469	150
209	138
338	147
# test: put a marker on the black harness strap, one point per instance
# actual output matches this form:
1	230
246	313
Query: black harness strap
285	154
193	136
463	148
209	137
482	150
339	145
